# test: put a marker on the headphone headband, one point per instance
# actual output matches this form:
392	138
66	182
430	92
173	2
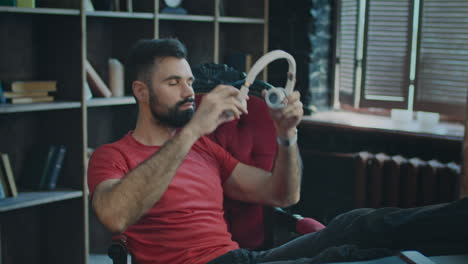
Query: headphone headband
266	59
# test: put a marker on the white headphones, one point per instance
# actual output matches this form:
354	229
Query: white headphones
275	96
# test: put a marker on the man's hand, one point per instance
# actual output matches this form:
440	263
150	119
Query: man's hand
287	118
219	106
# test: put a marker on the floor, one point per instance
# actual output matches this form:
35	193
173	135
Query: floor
454	259
99	259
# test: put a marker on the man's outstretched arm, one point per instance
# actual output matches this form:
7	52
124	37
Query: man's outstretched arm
281	187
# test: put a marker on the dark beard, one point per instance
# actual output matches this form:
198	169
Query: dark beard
174	117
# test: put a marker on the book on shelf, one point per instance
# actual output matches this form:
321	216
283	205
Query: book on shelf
28	100
221	8
2	94
129	5
4	189
97	85
114	5
44	167
8	171
9	95
7	2
55	168
2	192
33	86
26	3
124	5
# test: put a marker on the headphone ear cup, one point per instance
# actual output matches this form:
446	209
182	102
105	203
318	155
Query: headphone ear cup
274	98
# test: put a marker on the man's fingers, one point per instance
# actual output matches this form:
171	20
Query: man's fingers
226	117
292	107
240	105
293	113
293	97
230	95
224	91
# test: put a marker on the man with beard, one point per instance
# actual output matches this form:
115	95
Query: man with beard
163	183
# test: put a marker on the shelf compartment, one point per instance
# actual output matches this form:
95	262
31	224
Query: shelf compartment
243	8
242	20
229	41
195	18
14	108
110	123
200	48
28	199
35	52
130	15
105	40
95	102
39	11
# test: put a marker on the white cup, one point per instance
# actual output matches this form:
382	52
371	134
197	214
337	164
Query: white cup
427	120
401	118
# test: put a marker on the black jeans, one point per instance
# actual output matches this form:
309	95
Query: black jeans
371	233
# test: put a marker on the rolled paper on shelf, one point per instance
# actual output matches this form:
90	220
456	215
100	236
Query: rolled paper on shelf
116	77
98	87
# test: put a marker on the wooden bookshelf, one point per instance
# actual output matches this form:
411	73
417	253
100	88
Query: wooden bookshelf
16	108
130	15
28	199
52	42
242	20
43	43
95	102
194	18
39	11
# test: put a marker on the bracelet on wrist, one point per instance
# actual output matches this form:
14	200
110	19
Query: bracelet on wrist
287	141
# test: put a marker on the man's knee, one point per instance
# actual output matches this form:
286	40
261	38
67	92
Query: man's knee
350	216
363	224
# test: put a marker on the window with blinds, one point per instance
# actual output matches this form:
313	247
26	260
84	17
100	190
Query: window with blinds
387	52
346	51
428	45
442	70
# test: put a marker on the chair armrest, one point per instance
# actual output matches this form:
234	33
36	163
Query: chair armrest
118	250
285	219
296	223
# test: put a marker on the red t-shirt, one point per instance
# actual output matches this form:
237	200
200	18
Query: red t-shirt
187	224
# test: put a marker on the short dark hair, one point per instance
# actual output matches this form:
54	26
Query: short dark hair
144	53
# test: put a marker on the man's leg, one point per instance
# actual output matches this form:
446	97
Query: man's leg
426	229
361	227
433	230
423	228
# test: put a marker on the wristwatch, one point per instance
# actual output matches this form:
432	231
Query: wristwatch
287	141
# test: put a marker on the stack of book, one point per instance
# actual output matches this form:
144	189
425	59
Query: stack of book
30	92
43	167
18	3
